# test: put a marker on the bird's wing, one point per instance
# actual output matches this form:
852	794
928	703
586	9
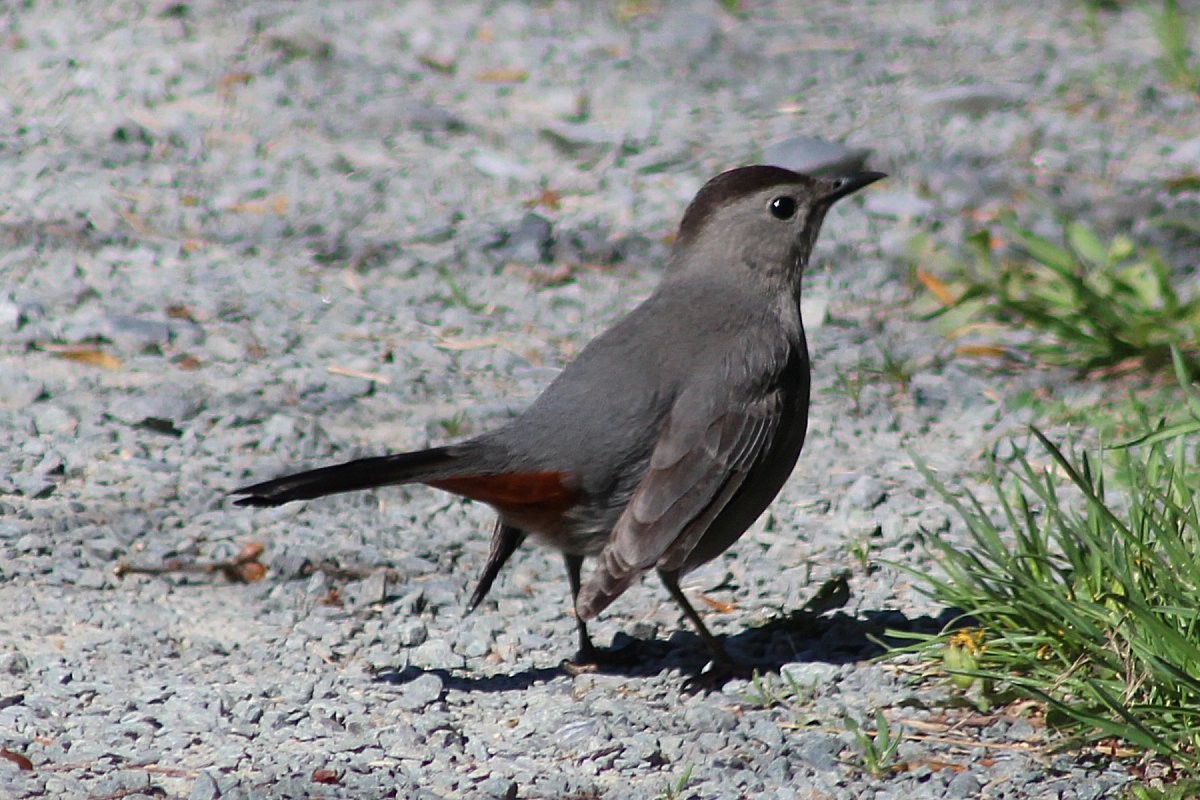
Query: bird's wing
703	454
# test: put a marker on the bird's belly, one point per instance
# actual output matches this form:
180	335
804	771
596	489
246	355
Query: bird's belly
582	530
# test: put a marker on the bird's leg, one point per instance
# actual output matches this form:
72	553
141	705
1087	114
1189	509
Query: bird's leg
589	658
587	651
720	656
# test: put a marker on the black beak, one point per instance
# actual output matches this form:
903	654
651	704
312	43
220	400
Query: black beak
851	184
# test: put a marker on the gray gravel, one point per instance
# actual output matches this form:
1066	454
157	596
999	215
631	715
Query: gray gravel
279	234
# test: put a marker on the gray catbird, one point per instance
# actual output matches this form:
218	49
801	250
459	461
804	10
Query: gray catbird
671	432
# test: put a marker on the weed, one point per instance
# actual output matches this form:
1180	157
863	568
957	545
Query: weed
879	748
455	425
1081	303
1179	62
1084	598
458	295
769	691
674	791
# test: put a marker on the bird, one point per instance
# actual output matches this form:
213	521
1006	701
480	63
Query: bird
670	433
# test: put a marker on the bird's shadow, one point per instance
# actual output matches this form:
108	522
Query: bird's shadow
808	634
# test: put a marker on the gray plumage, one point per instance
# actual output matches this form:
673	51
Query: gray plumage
671	432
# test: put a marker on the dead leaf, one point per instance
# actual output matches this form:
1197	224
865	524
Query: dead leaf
1113	748
326	776
277	204
23	763
242	568
227	82
437	62
473	344
179	311
1183	183
502	75
139	225
981	351
250	572
348	372
936	287
719	605
548	198
93	356
632	9
934	766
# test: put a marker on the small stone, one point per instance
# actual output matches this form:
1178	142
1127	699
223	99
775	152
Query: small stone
10	315
498	788
205	788
897	204
690	34
135	334
102	548
92	579
963	785
574	734
975	99
497	165
1186	154
530	242
159	411
437	654
707	577
369	591
51	418
1021	731
411	633
428	117
817	750
419	693
814	310
13	663
809	674
36	487
18	390
581	140
865	493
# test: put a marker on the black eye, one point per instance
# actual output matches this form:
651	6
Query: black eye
783	208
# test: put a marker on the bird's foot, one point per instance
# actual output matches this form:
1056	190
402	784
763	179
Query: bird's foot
594	659
716	674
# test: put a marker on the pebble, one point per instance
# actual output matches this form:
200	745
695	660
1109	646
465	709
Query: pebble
972	99
18	390
420	692
436	654
898	204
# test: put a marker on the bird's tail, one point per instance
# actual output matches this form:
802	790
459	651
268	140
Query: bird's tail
420	466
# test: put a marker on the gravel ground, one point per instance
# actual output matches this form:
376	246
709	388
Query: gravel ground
245	237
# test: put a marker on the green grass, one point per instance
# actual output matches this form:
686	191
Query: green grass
878	748
674	790
1082	595
1179	63
891	368
769	691
1186	789
1173	27
1081	302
